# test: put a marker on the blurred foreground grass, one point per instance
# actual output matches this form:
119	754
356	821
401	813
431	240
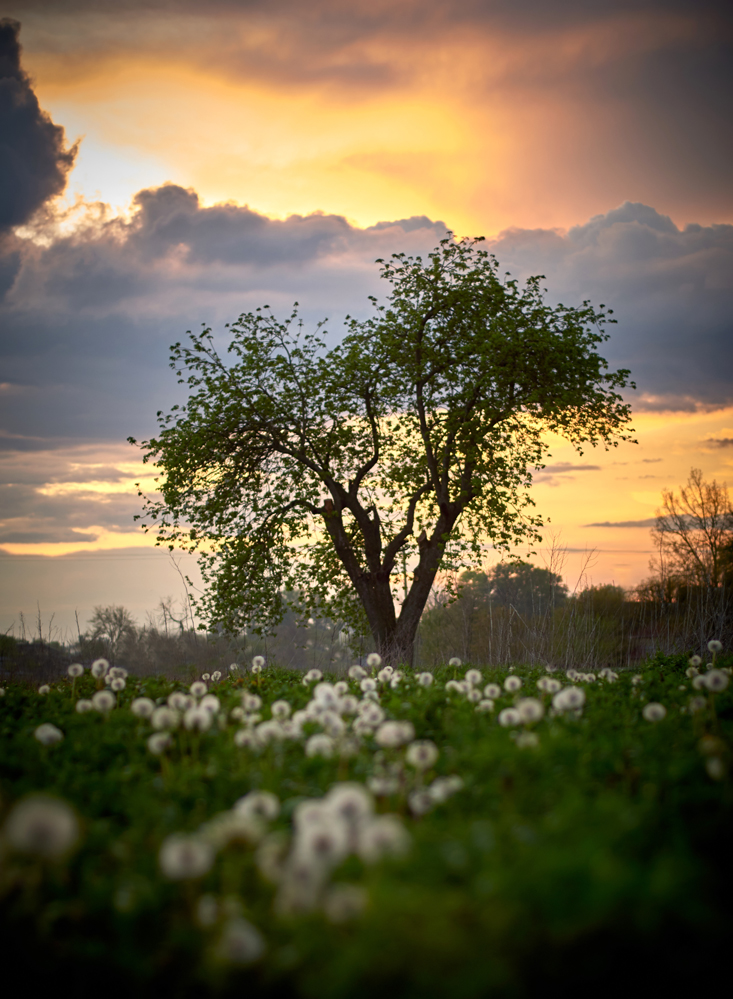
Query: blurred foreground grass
598	858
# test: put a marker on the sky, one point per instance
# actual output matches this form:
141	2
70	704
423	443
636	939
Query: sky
167	164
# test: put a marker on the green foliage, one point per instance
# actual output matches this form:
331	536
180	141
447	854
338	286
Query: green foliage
298	469
608	838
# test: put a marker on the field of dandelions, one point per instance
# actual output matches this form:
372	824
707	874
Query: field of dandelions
466	832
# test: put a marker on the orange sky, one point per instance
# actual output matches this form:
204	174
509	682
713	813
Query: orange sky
483	125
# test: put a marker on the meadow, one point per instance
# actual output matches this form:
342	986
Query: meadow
498	831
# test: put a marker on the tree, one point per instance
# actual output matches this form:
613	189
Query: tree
694	534
113	625
315	471
529	589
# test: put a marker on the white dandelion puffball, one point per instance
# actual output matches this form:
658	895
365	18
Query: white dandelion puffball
48	735
240	943
261	805
374	660
485	705
371	713
385	674
319	745
233	668
716	680
206	676
251	702
75	670
342	903
349	802
236	714
118	671
368	684
695	661
455	661
383	836
44	689
179	701
2	691
549	685
392	734
356	672
341	688
569	699
492	691
165	718
312	675
473	696
637	679
715	646
197	719
697	704
198	688
454	685
158	742
425	679
43	826
84	705
512	684
698	682
182	857
530	709
691	671
100	668
509	717
422	754
117	684
715	767
443	787
143	707
527	740
216	676
280	710
420	802
246	738
348	705
473	676
258	664
103	701
653	711
210	703
269	731
395	679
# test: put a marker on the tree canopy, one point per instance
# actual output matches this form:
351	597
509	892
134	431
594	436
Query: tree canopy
405	450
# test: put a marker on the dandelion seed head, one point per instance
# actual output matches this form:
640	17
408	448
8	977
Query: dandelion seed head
251	702
356	672
341	688
240	943
698	682
509	717
312	675
262	805
206	676
44	689
512	684
143	707
420	802
164	718
653	711
697	704
198	688
691	671
695	661
385	674
422	754
158	742
454	661
374	660
492	691
117	684
75	670
368	683
348	704
197	719
246	738
99	668
48	735
211	703
715	646
216	676
443	788
103	701
392	734
474	677
383	836
530	709
280	710
320	745
716	680
485	705
44	826
527	740
83	705
233	667
185	857
349	802
425	679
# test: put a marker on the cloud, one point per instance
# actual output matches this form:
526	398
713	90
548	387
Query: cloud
34	161
720	441
567	466
649	522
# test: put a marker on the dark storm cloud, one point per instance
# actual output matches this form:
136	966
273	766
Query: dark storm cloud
34	161
649	522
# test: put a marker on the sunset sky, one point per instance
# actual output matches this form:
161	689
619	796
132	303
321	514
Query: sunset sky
164	164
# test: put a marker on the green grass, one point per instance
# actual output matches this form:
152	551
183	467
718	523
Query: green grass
599	858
